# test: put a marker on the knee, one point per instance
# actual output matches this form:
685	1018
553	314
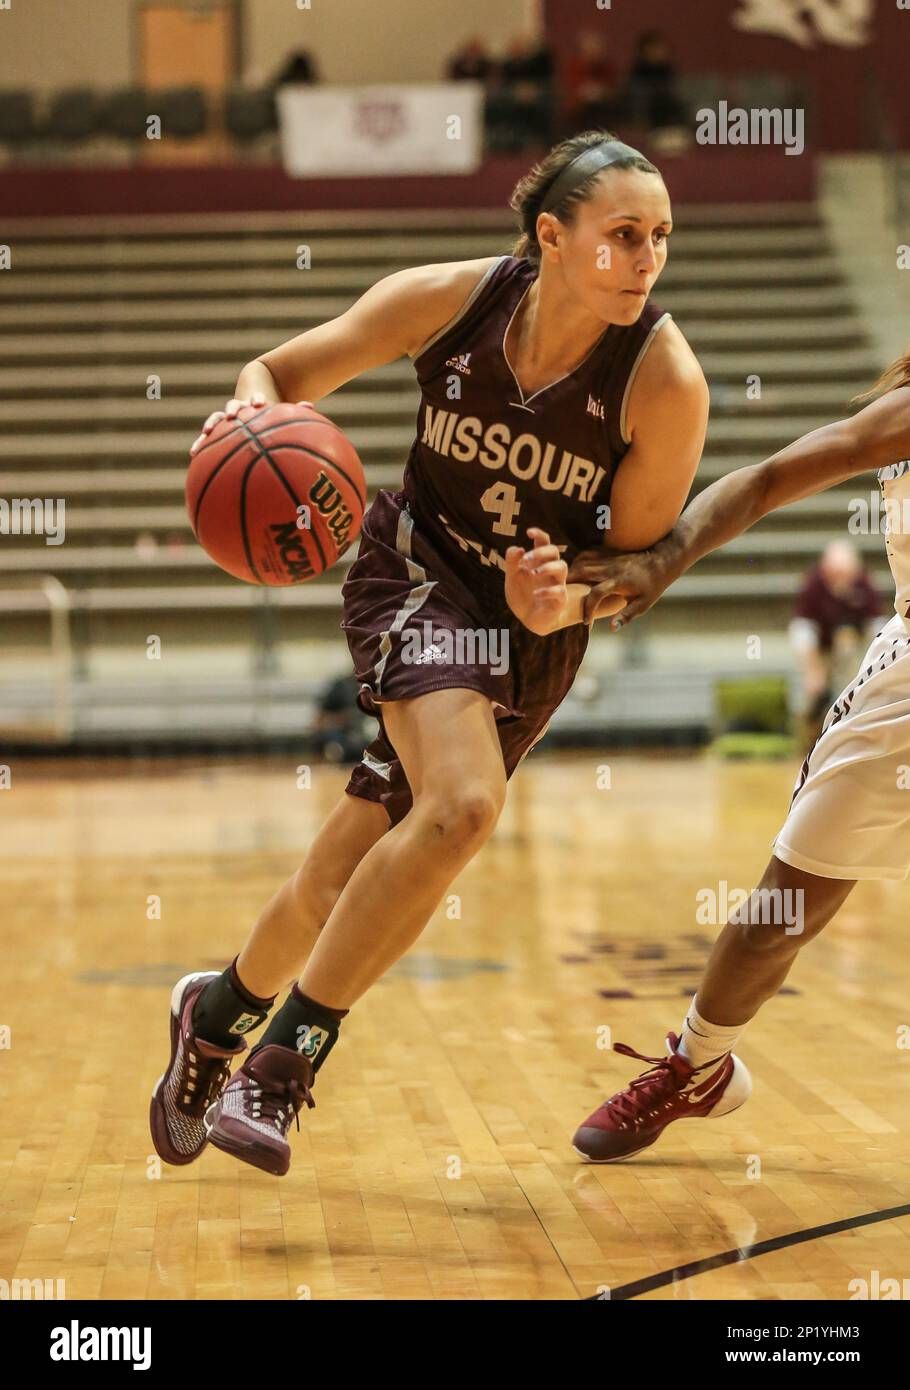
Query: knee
463	818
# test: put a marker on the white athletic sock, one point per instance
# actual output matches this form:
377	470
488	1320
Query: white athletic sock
701	1042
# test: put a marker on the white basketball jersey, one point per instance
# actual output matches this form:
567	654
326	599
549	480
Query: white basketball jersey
895	485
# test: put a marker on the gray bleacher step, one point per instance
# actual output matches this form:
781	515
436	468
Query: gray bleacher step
298	311
789	371
96	283
324	595
409	244
824	510
31	552
153	350
151	445
624	699
131	485
189	411
368	407
107	482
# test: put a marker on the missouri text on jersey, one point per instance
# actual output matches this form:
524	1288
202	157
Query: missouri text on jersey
463	438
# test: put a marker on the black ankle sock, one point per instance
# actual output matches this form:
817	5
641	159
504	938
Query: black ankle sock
305	1026
226	1009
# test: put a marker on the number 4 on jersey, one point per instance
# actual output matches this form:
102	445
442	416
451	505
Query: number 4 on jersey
500	497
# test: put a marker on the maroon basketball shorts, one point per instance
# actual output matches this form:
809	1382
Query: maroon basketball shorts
417	622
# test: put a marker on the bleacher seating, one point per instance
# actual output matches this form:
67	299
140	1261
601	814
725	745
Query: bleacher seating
91	313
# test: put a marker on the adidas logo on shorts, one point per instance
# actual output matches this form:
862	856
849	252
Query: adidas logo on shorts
432	653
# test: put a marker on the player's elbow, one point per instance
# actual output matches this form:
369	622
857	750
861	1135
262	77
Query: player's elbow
267	363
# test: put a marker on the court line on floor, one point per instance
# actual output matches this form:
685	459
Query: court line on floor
748	1252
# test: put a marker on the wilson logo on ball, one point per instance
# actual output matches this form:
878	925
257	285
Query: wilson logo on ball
330	503
249	485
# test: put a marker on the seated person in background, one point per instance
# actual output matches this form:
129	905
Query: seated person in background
340	728
299	68
471	63
837	613
590	85
520	102
651	97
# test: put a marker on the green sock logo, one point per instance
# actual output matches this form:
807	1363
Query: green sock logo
311	1040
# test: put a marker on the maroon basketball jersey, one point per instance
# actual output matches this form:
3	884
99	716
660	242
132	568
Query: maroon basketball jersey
488	461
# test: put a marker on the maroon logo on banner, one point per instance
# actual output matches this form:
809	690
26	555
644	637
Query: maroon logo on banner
379	120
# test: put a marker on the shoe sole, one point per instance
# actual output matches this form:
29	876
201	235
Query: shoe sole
736	1092
157	1117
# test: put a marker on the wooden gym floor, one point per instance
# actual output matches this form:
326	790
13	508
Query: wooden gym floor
437	1163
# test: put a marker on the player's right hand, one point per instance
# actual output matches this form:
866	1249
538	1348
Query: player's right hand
257	401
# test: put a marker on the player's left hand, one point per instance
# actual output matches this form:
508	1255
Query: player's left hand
536	583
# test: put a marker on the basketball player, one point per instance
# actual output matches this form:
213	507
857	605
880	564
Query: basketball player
849	816
557	403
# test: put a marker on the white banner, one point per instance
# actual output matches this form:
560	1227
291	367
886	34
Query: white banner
363	131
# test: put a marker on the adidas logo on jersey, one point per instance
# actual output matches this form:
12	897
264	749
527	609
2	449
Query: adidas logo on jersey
595	407
460	363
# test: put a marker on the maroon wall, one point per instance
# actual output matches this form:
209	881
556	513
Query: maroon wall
846	84
732	175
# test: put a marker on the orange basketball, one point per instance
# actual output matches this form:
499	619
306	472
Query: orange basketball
276	495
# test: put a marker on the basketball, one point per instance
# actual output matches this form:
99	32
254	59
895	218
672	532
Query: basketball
276	495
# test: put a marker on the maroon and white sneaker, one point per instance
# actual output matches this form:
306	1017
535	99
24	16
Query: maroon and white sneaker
672	1090
253	1116
196	1075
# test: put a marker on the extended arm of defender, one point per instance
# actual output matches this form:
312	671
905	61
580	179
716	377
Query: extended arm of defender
875	437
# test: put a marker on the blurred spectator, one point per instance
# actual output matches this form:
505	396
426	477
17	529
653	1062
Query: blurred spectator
590	84
472	63
651	97
837	613
341	729
299	69
520	98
